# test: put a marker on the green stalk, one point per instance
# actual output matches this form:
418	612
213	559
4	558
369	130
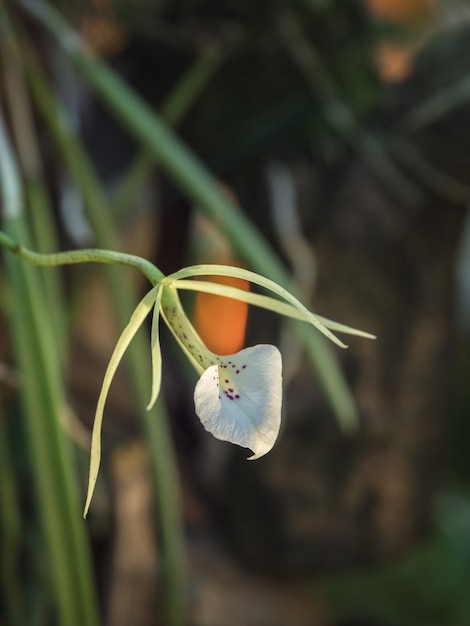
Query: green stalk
155	422
88	255
200	186
46	239
68	555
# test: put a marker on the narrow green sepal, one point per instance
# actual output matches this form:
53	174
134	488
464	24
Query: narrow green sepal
261	281
137	318
156	350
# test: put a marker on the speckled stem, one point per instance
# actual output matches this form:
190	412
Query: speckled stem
228	366
184	332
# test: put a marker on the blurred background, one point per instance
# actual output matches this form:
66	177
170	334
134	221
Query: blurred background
322	143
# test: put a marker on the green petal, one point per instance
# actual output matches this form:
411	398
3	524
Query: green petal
265	302
257	279
139	315
156	350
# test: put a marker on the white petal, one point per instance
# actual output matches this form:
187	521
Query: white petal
239	400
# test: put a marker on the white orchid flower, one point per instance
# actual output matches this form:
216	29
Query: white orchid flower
238	397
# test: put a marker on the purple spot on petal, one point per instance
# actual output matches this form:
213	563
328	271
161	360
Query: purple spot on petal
237	396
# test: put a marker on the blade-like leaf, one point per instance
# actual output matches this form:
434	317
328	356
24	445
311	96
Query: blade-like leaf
139	315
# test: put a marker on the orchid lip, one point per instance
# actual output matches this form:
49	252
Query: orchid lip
239	399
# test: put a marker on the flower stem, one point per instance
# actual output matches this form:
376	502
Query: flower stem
87	255
184	332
